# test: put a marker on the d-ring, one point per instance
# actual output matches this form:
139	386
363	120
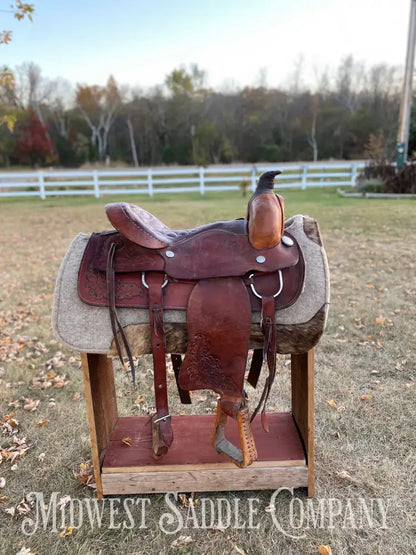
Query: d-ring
276	294
146	285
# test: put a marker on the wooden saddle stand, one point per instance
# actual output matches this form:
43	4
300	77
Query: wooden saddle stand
220	274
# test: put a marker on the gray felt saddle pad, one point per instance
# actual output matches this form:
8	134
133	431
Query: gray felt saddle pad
87	328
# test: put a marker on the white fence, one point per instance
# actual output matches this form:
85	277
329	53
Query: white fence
151	181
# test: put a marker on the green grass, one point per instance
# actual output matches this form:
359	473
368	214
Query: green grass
366	449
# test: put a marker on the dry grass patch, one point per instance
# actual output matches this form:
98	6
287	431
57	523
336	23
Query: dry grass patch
365	385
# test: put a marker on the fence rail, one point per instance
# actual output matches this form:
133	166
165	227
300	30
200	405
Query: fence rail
152	181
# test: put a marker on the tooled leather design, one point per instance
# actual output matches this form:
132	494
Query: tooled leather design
128	250
203	370
94	285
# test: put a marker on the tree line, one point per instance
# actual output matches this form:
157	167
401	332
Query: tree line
183	121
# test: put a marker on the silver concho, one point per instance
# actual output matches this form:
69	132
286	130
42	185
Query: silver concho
260	259
287	241
170	254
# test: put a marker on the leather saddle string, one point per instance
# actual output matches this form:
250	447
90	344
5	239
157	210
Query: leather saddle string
269	354
176	365
255	367
162	421
114	319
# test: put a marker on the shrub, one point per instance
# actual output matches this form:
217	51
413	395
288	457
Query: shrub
380	176
403	181
386	178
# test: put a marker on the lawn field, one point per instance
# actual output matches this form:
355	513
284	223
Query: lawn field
365	392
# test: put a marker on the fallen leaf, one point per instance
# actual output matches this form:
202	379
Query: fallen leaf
42	422
183	500
31	405
17	449
400	365
24	507
370	286
24	551
238	550
333	404
365	397
2	482
67	531
182	541
325	549
344	475
126	441
85	475
9	424
41	457
379	321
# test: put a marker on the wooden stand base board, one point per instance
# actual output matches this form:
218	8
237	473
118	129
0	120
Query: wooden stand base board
192	464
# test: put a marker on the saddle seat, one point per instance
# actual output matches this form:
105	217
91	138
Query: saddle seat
144	229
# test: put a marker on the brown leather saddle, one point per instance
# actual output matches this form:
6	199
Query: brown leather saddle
219	273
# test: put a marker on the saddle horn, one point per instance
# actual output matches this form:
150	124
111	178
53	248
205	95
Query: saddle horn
266	182
265	213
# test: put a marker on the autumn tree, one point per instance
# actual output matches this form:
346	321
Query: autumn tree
34	145
20	10
184	122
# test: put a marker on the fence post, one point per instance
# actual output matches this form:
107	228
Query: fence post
96	184
201	181
304	176
253	178
354	174
42	186
150	181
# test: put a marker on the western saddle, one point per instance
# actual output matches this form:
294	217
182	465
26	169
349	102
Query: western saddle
219	273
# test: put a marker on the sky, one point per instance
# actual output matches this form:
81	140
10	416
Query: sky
237	42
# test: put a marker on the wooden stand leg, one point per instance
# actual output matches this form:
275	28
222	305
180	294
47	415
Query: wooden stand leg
100	398
303	406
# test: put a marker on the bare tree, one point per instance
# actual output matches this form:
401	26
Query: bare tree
98	105
350	81
312	135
